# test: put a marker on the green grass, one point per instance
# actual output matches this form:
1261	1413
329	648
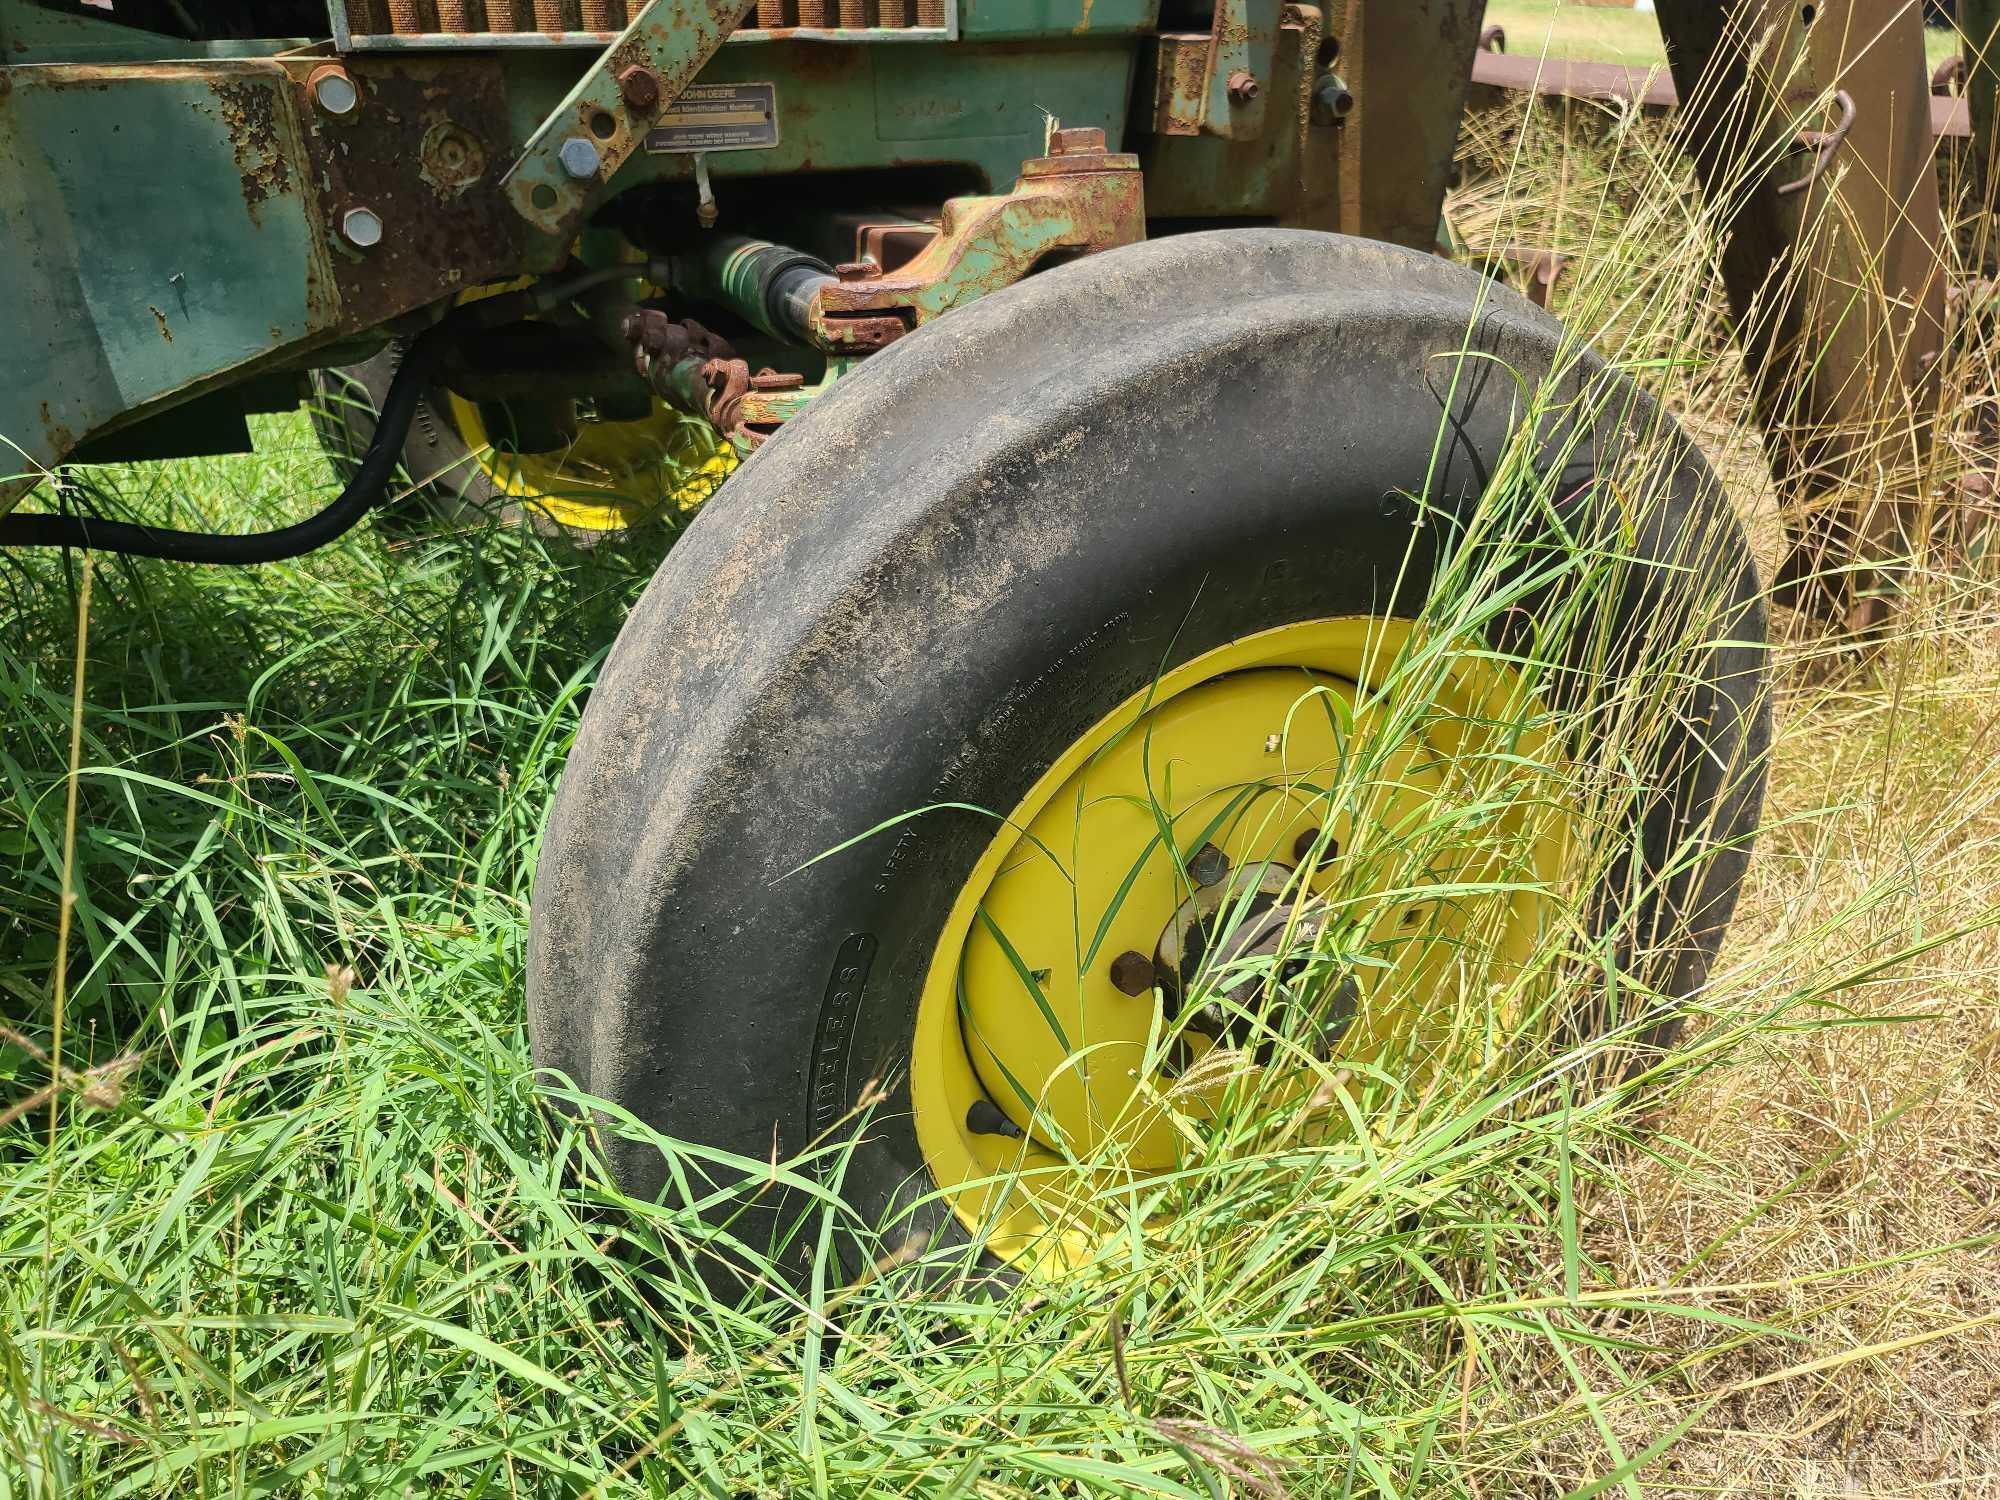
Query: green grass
304	1222
284	1209
1563	29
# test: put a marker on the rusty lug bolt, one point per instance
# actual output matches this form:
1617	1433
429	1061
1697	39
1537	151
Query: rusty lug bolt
334	91
361	228
640	88
579	156
1242	86
1132	973
1208	865
857	270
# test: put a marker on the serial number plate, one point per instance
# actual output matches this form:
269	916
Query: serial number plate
718	117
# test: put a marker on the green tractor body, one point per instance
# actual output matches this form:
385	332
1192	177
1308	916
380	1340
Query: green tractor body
194	222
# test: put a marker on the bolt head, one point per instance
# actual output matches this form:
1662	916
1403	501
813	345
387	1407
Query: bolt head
1132	973
361	228
333	90
639	87
1207	865
1331	101
1243	86
579	157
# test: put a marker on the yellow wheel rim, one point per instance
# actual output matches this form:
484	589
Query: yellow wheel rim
614	476
1292	734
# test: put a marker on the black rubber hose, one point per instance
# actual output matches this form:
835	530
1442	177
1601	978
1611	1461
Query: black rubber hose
362	493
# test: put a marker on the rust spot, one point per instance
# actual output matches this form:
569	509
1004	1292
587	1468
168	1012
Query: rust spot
161	318
61	440
250	114
453	158
421	155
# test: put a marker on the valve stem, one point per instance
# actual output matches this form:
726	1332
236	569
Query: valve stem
986	1118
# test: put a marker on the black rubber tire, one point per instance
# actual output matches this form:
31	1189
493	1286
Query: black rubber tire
956	562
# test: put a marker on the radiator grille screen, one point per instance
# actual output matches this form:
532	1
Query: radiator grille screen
444	22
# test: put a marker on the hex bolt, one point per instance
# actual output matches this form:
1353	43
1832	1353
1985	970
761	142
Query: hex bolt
579	157
1242	86
333	90
1332	102
640	88
361	228
1208	865
1132	973
986	1118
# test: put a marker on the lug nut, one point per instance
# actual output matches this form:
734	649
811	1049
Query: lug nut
1242	86
1208	865
333	90
640	88
986	1118
361	228
579	157
1132	973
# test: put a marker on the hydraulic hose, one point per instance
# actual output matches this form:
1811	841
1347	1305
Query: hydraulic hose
362	493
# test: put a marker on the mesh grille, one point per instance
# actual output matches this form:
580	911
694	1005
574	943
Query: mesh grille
460	18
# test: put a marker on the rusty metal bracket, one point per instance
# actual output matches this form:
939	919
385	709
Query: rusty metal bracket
1078	199
1214	82
603	121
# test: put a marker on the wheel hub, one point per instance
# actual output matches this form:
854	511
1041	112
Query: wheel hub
1247	946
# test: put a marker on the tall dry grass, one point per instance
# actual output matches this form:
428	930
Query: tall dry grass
1811	1183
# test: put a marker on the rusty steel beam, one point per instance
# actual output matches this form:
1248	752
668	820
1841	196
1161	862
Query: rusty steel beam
1832	259
1652	89
1413	60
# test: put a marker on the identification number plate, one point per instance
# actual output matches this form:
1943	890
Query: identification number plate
718	117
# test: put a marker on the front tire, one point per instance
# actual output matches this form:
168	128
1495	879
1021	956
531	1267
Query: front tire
989	544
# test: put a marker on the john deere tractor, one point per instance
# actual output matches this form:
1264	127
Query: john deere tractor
1081	447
